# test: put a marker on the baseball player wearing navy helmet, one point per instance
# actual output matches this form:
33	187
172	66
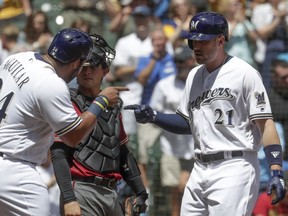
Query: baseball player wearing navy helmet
226	108
35	104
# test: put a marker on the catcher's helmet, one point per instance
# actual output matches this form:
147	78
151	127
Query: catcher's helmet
207	26
102	53
70	44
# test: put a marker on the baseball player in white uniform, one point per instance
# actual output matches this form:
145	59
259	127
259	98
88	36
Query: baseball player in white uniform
35	104
226	108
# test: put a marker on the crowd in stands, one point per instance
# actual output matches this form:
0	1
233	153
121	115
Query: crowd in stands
147	36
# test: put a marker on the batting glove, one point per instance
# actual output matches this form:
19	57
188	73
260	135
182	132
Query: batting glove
277	184
143	113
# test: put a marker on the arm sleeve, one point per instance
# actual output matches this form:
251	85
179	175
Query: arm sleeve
173	123
60	153
130	171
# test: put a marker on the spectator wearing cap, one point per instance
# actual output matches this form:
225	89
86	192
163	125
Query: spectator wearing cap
278	97
123	22
177	150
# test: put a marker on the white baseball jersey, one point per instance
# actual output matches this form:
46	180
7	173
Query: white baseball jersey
35	103
222	105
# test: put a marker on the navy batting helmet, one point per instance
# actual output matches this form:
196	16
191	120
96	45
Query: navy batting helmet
70	44
102	53
207	26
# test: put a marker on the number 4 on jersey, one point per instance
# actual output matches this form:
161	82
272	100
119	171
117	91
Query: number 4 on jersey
4	102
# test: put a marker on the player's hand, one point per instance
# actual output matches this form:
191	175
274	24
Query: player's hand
72	209
277	184
143	113
112	93
135	205
140	205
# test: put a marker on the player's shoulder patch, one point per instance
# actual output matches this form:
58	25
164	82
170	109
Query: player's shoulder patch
260	98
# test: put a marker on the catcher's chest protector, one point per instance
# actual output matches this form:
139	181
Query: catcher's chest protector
100	151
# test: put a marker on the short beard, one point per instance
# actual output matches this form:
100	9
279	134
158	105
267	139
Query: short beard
74	73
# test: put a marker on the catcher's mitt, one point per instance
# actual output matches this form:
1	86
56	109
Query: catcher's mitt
135	205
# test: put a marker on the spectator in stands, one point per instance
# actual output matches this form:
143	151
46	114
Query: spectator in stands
123	22
278	93
37	32
270	20
160	9
150	69
82	24
14	12
199	6
177	150
97	12
9	40
128	49
242	34
278	96
158	65
264	207
177	25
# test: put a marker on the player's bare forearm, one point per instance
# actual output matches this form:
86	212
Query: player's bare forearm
268	131
269	137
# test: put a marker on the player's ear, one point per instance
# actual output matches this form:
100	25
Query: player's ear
221	41
77	63
105	68
105	71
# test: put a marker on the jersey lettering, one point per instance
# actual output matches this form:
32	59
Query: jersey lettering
209	96
15	68
4	102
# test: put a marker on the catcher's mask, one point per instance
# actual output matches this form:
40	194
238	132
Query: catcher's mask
102	53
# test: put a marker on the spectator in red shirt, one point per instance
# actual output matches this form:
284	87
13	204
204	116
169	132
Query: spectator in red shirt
264	207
